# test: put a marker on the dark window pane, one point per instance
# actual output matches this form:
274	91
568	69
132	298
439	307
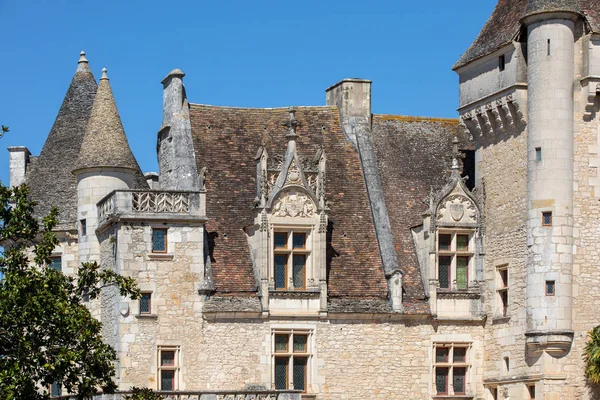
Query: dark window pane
441	354
462	242
280	240
167	358
299	271
444	242
458	380
55	389
547	218
280	271
441	380
504	300
167	380
145	303
444	272
300	373
281	373
550	288
460	354
281	343
56	263
462	264
300	342
299	240
159	240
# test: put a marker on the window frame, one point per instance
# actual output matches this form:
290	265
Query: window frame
149	312
52	262
450	365
502	286
290	354
544	215
550	283
290	252
166	231
176	367
454	253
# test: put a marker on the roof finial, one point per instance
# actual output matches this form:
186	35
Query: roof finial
292	124
455	154
104	76
82	58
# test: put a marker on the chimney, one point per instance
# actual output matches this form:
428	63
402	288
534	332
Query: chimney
175	147
19	159
152	180
352	97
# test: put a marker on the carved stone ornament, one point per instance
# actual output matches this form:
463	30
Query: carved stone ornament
457	208
294	204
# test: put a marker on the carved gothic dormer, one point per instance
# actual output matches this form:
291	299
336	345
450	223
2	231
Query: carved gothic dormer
291	221
450	243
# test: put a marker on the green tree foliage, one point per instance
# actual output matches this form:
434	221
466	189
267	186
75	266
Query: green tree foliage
592	356
143	394
47	334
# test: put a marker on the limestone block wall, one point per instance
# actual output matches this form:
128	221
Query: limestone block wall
502	169
173	280
483	77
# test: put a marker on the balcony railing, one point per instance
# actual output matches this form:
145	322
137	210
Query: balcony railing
214	395
148	202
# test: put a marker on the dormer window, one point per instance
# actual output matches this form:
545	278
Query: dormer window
454	259
290	258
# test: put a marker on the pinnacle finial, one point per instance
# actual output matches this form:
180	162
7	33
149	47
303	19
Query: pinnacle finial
104	75
455	154
82	58
292	124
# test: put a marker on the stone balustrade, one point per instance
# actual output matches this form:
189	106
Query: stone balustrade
208	395
151	203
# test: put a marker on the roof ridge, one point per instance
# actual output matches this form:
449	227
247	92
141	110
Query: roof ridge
284	108
411	118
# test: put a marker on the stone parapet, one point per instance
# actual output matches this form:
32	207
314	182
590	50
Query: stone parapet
151	204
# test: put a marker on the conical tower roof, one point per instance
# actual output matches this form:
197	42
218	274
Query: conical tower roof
105	144
540	6
50	181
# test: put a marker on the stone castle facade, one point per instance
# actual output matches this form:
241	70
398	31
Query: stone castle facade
331	253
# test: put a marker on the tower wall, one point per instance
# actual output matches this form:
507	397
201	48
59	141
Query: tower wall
550	175
92	186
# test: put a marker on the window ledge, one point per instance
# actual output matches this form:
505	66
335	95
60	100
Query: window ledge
453	396
160	256
500	320
467	294
146	316
308	396
294	293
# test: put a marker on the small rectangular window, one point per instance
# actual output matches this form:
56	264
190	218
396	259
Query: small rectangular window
441	380
502	62
146	303
546	218
281	373
281	343
280	271
291	360
462	242
506	365
444	265
548	46
299	240
444	242
531	390
56	263
56	390
83	224
159	240
458	381
460	355
462	274
168	367
441	355
538	154
280	240
299	271
550	288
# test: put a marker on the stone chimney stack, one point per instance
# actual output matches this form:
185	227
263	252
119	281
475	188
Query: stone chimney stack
352	97
175	147
19	160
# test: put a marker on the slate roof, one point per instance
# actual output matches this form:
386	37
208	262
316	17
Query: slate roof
105	143
50	180
505	23
413	154
226	141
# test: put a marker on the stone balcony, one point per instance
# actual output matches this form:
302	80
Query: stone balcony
211	395
151	204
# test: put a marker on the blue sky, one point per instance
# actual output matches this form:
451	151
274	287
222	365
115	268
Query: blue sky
237	53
